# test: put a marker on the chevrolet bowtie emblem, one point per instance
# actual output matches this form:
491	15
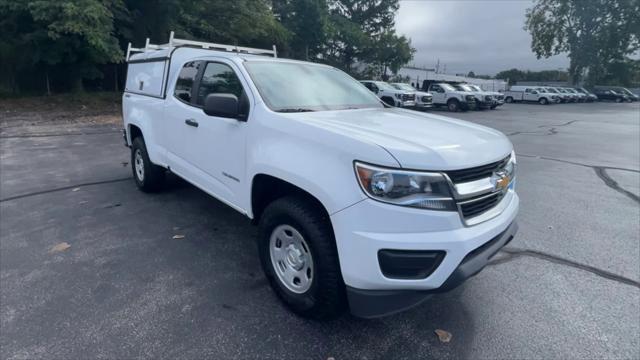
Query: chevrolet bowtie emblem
500	180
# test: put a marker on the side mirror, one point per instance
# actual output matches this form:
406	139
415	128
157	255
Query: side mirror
222	105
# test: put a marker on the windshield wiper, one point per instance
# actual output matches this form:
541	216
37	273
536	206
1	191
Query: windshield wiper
294	110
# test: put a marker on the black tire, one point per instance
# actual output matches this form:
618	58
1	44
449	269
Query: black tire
453	105
618	100
152	177
543	101
508	99
326	297
388	100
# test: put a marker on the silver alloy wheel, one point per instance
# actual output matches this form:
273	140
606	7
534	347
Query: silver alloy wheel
291	258
139	165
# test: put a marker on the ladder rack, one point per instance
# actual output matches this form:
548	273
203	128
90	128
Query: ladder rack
173	43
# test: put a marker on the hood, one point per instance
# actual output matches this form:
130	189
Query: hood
417	140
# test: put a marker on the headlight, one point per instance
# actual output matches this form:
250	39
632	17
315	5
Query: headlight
487	98
422	190
511	168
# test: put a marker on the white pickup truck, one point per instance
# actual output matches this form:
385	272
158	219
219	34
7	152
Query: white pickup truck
359	205
390	94
446	95
531	94
424	100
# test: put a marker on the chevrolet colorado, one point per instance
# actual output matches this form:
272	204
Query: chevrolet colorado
359	205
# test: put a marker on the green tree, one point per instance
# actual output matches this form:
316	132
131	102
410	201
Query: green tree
72	37
361	31
593	33
390	52
241	22
307	24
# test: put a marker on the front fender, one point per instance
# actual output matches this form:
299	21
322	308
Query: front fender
313	158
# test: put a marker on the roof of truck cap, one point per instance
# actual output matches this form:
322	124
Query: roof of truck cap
166	53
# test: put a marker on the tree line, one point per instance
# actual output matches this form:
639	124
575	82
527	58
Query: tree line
70	45
601	38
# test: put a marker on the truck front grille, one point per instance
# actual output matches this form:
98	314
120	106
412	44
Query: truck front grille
477	206
476	173
408	97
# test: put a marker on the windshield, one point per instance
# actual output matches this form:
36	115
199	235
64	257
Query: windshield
551	90
561	90
401	86
474	87
297	87
447	87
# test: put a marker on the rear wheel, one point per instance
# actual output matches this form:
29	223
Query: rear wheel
508	99
453	105
299	257
149	177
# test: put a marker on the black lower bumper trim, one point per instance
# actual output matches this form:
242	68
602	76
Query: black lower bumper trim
377	303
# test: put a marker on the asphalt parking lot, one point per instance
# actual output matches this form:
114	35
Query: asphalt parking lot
568	285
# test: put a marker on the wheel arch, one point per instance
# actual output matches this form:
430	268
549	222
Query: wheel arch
267	188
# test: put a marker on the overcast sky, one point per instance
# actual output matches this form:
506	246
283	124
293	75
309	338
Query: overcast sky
483	36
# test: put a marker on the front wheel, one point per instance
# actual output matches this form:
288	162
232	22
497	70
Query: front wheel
453	105
543	101
618	100
299	257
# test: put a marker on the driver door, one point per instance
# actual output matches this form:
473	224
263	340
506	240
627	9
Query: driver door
438	94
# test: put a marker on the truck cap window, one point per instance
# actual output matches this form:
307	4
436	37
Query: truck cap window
186	78
297	87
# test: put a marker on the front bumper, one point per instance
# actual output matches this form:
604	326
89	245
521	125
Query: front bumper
367	227
421	105
376	303
406	104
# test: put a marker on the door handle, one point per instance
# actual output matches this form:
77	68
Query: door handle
191	122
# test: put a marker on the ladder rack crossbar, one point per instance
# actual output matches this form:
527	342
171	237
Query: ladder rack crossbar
173	43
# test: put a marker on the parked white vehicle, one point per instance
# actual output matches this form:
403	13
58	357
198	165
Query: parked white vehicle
580	97
483	101
446	95
498	98
530	93
391	95
321	164
563	97
424	100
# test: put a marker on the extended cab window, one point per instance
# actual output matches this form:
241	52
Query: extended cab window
218	79
186	78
